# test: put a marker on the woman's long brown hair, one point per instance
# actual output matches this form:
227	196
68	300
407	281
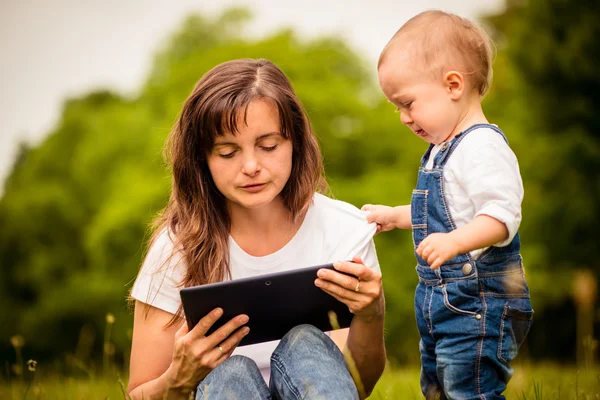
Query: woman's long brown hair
196	217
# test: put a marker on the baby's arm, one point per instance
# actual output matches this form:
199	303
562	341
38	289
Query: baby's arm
388	218
483	231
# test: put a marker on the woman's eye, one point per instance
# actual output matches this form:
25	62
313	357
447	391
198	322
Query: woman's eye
227	155
269	148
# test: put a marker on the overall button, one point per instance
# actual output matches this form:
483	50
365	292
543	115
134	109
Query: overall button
478	317
467	269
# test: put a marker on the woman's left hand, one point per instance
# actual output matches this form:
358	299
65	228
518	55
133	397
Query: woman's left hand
362	292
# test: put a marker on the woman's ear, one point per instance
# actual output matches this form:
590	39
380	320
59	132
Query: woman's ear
455	84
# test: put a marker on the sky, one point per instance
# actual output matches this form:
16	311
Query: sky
54	50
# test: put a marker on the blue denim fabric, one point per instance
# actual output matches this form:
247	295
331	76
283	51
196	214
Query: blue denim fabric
472	315
306	364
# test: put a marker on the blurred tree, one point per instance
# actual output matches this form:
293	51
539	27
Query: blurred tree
549	94
75	210
557	68
74	216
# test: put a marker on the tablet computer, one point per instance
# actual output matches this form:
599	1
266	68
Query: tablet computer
275	303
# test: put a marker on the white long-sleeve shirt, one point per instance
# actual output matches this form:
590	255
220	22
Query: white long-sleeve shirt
481	177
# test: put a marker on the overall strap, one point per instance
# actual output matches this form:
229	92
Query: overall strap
426	156
448	148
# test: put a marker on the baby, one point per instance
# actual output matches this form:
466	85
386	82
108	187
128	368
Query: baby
472	302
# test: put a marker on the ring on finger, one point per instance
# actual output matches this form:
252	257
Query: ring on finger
357	288
221	350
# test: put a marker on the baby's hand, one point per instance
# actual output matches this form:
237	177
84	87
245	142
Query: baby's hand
384	216
438	248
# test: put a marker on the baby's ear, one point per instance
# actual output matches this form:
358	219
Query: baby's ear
455	84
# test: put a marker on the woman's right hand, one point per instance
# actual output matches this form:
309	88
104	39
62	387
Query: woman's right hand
196	355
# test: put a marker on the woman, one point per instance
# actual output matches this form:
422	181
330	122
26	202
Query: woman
246	166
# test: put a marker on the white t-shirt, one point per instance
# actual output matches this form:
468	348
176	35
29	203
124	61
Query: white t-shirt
481	177
331	231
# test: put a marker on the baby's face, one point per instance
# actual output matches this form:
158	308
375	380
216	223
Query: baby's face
424	102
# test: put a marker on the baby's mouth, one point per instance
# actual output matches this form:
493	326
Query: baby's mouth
420	132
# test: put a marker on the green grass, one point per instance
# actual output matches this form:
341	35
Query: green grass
535	382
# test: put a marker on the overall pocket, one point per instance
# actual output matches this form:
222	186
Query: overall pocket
418	212
515	323
461	297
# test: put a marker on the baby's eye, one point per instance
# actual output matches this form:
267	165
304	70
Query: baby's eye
407	104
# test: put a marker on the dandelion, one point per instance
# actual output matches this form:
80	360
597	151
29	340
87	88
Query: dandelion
31	364
17	369
17	341
585	293
109	348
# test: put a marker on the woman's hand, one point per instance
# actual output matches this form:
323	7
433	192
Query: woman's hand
362	293
196	355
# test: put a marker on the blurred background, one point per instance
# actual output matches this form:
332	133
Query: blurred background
90	90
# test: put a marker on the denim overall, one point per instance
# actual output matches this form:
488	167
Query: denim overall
472	315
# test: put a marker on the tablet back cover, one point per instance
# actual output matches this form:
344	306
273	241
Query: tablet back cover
275	303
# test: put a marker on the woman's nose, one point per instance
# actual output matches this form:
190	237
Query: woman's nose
251	165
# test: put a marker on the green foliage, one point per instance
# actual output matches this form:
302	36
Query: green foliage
553	49
74	216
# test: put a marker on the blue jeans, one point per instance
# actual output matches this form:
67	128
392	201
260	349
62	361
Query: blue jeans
472	322
306	364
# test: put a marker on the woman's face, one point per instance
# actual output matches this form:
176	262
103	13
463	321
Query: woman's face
251	168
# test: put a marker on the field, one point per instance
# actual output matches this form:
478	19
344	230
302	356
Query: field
546	381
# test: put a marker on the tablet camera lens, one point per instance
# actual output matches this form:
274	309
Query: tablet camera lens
268	283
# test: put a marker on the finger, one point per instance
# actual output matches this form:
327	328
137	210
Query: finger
437	263
355	267
347	282
367	207
420	251
205	323
432	257
348	297
232	342
227	329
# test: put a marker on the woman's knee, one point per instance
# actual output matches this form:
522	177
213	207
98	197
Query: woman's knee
234	368
303	340
238	362
236	376
305	334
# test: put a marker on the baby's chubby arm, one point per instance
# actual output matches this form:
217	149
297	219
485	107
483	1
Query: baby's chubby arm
388	218
483	231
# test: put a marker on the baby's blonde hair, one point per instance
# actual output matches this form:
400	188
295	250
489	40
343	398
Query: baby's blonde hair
441	42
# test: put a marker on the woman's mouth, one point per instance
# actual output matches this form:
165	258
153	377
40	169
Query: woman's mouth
255	187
